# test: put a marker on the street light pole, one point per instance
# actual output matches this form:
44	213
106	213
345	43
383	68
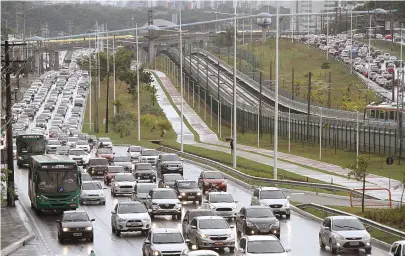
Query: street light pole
234	91
137	84
181	84
114	82
369	54
351	39
276	98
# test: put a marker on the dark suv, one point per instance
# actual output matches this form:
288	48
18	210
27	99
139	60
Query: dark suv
143	172
97	166
169	163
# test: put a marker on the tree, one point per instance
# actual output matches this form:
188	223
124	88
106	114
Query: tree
153	110
401	185
123	123
150	121
4	179
117	103
164	125
359	171
325	66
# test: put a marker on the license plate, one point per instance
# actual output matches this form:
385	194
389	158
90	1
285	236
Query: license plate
146	177
77	234
92	199
219	243
100	172
191	197
134	224
354	243
264	230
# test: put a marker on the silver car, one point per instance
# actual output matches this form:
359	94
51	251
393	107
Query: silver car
165	241
92	192
123	183
221	203
274	198
141	191
344	232
211	232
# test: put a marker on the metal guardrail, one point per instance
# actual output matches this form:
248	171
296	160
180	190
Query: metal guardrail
253	179
367	222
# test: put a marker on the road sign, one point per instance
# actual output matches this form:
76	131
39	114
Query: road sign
389	160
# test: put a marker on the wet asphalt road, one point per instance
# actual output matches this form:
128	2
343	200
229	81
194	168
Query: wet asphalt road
298	234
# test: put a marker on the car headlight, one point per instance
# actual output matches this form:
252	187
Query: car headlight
101	194
155	253
367	236
146	219
231	235
116	185
84	194
337	236
276	224
234	207
198	194
89	228
203	235
178	205
185	251
183	194
121	220
65	229
212	206
286	205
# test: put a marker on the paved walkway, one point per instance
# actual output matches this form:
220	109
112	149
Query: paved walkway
210	141
15	230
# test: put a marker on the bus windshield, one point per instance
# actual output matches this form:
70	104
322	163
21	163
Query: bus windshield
31	145
57	181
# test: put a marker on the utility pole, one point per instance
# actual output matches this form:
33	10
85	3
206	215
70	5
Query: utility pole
309	104
9	122
260	106
329	89
292	84
219	104
108	86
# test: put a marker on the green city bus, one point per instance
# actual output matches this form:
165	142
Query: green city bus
54	183
29	144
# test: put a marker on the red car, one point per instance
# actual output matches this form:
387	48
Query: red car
208	178
110	173
106	153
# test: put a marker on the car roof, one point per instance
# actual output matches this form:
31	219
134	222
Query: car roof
203	253
162	189
209	218
269	188
165	230
343	217
123	173
256	207
261	238
90	181
129	202
219	193
75	211
400	242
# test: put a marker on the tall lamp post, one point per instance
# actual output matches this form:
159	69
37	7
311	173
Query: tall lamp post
276	98
137	83
234	90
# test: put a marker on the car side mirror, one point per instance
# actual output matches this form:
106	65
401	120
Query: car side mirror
146	241
288	250
93	220
58	221
148	197
241	250
231	226
181	159
187	241
112	212
193	227
114	153
327	228
205	201
236	202
288	198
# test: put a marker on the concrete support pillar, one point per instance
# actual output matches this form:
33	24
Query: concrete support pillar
263	34
151	51
56	60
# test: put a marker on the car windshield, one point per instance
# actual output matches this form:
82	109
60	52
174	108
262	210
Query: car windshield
62	150
73	139
75	216
128	177
150	153
135	149
57	181
122	159
76	152
166	194
145	188
265	246
143	167
98	162
104	140
172	177
81	142
187	184
272	194
53	142
92	186
221	198
259	213
131	208
170	158
105	151
347	224
167	238
213	224
116	169
212	175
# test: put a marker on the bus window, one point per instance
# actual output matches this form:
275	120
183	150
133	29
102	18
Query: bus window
392	115
372	113
382	115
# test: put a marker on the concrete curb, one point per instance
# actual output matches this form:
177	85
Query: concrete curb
382	245
23	241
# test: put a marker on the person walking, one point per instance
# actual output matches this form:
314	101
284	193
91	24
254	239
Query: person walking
231	145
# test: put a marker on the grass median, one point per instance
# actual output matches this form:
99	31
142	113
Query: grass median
394	218
129	104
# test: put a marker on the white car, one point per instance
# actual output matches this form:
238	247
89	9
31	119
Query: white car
78	155
130	216
82	144
397	249
274	198
72	142
203	253
123	183
163	201
221	203
134	152
92	192
107	143
149	156
387	56
341	232
260	245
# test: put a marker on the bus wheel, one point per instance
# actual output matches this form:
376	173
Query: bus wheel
38	211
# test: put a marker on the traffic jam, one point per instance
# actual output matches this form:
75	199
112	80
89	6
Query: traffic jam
69	169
